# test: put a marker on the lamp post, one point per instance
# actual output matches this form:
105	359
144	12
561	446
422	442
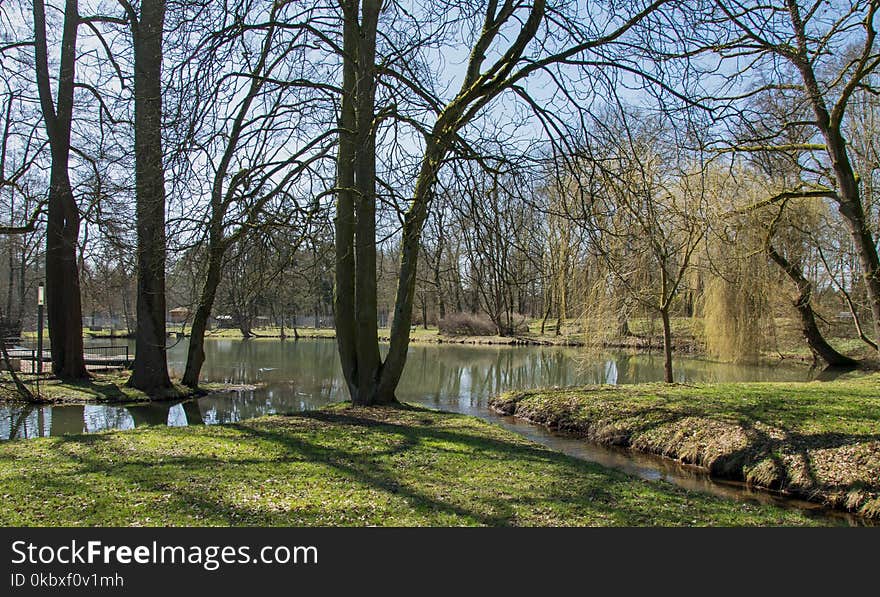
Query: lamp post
40	303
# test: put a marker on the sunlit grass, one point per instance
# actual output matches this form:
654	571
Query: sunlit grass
339	466
819	440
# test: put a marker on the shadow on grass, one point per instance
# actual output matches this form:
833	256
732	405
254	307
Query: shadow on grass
330	440
820	444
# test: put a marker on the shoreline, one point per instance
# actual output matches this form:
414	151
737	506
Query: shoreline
634	343
106	389
684	345
739	432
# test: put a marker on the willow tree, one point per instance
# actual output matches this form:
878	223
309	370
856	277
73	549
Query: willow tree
822	55
645	209
506	31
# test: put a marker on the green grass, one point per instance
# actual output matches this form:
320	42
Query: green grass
818	440
339	466
101	387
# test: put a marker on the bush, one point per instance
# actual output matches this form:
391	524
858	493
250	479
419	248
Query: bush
466	324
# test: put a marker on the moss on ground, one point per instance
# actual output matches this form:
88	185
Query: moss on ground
398	466
816	440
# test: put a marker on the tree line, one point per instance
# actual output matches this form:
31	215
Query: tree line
392	162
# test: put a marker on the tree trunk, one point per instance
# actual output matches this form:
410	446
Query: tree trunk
195	356
848	197
217	242
392	369
667	345
424	313
150	372
344	224
369	360
817	343
546	314
441	304
63	301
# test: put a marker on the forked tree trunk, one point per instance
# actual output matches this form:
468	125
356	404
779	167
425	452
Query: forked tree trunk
369	379
63	302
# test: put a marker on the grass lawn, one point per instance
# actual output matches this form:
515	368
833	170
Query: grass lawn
400	466
817	440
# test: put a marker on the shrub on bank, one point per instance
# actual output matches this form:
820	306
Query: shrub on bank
466	324
470	324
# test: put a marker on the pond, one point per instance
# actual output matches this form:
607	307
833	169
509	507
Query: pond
300	375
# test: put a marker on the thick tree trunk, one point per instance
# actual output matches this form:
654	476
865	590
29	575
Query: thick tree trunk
150	372
355	300
815	340
63	301
369	361
344	224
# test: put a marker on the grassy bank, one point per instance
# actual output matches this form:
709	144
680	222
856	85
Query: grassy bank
338	466
101	387
816	440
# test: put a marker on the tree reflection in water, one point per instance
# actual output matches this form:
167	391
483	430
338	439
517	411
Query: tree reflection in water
295	376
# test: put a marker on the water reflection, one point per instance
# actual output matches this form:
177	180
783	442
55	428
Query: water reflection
295	376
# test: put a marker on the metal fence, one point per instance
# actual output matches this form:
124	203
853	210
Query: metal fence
95	356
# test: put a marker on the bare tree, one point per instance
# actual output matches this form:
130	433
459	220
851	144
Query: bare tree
264	163
504	30
63	303
150	372
821	55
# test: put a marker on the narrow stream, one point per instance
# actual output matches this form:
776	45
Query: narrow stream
296	376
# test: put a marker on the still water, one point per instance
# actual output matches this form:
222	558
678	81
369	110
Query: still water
292	376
